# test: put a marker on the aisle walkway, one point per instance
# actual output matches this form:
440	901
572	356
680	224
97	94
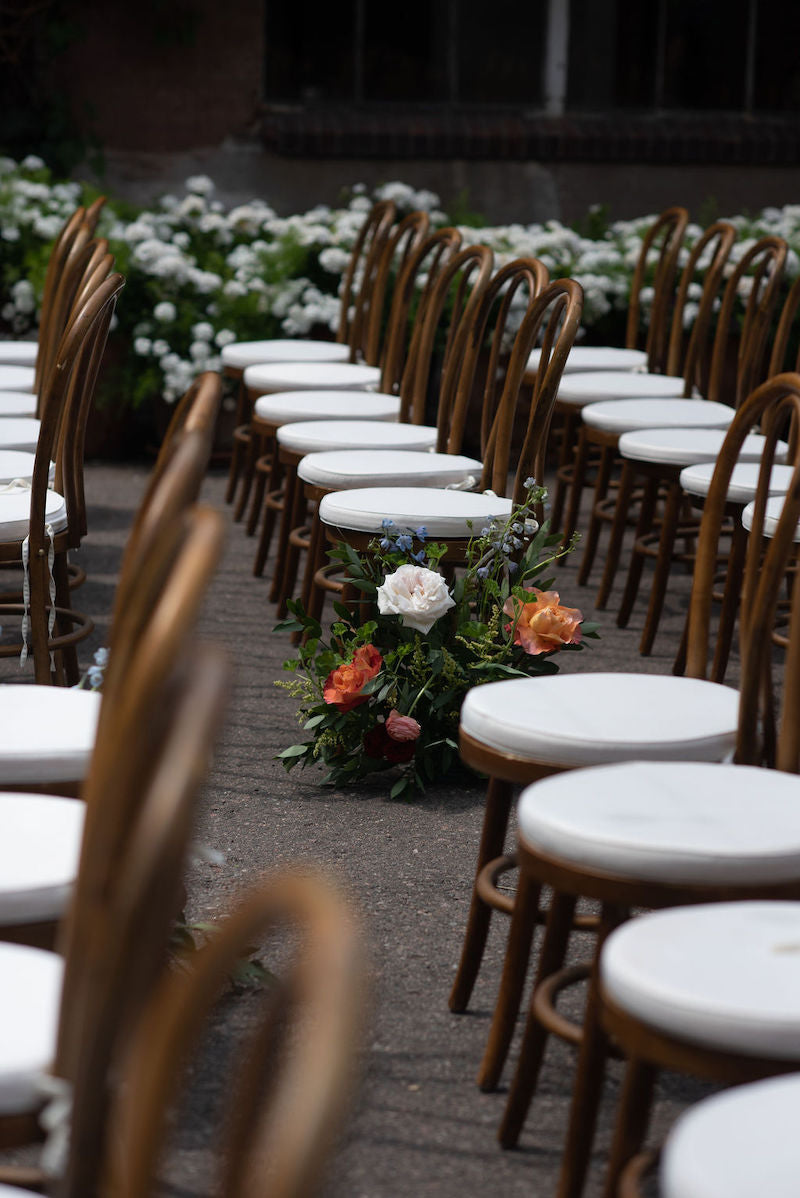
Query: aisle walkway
420	1126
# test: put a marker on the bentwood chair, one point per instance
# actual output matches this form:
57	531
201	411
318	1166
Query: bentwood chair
406	376
23	364
665	239
126	893
280	1133
552	314
358	339
47	734
657	460
594	832
39	525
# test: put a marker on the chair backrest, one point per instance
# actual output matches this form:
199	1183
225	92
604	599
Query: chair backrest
198	409
775	406
288	1089
666	236
551	319
759	273
141	800
689	353
356	293
390	263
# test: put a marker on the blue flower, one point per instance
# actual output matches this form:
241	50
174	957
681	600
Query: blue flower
419	557
529	483
101	658
421	532
405	542
482	571
512	567
387	523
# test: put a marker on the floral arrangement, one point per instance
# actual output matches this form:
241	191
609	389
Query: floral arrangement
385	690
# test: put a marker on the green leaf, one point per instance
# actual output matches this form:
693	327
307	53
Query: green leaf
292	751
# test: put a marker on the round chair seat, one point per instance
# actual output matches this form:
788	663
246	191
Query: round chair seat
16	378
309	376
15	463
448	514
722	975
388	468
40	846
696	480
241	354
17	403
317	436
688	446
736	1144
593	386
772	515
19	433
18	353
626	415
15	512
594	719
30	995
679	822
596	357
287	407
47	734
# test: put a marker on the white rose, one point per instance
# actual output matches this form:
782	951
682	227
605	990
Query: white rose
417	595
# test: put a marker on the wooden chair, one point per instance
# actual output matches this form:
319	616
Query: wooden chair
295	1073
148	762
47	734
277	492
552	314
665	238
355	340
606	854
55	520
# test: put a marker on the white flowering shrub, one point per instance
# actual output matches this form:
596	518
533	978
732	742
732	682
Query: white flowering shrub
200	276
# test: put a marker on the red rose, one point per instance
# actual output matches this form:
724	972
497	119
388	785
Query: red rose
344	685
378	743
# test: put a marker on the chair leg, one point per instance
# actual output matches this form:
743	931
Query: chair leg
242	420
290	518
590	1075
643	525
512	982
493	834
69	654
531	1056
267	478
658	588
297	543
564	458
595	523
618	526
730	602
632	1121
577	484
248	470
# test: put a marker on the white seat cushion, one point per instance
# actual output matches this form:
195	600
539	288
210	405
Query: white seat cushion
307	376
287	407
737	1144
669	821
47	733
30	995
592	719
453	514
597	357
16	378
241	354
772	515
687	446
15	463
40	845
624	415
318	436
19	433
696	480
17	403
594	386
18	353
387	468
15	510
723	975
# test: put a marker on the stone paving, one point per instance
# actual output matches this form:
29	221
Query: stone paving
419	1123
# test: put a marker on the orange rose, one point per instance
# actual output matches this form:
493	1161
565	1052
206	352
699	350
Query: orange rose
543	625
343	685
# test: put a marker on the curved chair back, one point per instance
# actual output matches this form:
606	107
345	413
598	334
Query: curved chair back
666	234
382	312
690	357
356	292
293	1076
141	799
197	409
775	405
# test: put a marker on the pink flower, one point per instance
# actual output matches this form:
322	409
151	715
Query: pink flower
543	625
402	727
